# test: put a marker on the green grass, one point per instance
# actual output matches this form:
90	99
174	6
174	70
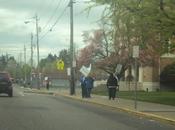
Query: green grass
161	97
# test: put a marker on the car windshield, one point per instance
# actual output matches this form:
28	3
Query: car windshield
87	64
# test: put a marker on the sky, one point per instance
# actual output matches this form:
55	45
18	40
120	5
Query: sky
15	34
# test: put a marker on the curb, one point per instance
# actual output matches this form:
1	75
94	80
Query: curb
38	92
137	113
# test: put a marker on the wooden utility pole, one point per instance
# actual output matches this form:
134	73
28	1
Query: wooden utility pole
37	44
31	77
25	75
72	78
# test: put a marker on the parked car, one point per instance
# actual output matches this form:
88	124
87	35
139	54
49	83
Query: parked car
6	84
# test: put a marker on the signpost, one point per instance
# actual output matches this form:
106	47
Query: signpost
135	55
135	51
68	71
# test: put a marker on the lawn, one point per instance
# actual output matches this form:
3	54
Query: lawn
161	97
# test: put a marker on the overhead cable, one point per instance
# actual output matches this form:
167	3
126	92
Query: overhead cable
51	17
57	20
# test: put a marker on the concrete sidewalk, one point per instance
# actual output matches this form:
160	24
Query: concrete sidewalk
151	110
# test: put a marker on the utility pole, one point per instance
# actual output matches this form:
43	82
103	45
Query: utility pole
135	56
37	43
31	78
72	78
20	60
25	77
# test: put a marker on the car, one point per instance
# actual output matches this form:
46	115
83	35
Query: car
6	84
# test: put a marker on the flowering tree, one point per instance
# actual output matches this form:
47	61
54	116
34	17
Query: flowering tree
125	23
85	56
102	52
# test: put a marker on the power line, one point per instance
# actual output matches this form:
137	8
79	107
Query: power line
58	5
57	20
84	2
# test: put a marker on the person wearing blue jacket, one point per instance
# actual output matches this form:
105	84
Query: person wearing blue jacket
89	84
83	88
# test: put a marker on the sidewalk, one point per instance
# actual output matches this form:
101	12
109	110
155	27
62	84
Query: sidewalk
151	110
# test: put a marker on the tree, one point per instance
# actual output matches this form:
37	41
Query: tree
48	64
19	71
11	66
147	23
101	52
3	62
142	20
64	55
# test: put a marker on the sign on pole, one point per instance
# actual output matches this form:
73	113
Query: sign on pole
135	53
68	71
74	63
60	65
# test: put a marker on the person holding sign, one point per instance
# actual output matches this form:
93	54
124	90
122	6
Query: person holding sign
89	84
112	84
83	88
47	82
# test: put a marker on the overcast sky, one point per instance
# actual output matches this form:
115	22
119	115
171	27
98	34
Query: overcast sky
14	33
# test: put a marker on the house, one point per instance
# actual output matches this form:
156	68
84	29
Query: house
148	76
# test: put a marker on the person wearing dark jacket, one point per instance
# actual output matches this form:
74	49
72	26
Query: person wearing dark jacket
47	84
112	84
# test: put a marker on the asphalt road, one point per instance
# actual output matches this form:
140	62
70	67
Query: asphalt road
27	111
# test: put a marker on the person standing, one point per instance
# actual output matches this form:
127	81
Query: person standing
83	88
89	84
47	84
112	84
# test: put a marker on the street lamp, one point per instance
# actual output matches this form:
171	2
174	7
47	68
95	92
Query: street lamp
37	43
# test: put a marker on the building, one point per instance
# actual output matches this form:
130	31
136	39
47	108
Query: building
149	76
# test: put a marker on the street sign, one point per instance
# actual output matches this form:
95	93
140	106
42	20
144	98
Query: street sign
135	51
68	71
74	63
60	65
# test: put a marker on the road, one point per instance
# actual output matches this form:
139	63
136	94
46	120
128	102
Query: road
27	111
